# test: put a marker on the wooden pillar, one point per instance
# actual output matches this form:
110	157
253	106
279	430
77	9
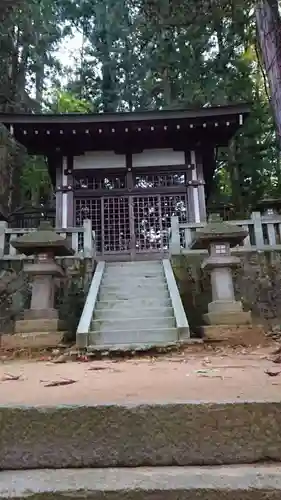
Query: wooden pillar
67	191
195	187
201	187
130	186
70	196
59	193
190	193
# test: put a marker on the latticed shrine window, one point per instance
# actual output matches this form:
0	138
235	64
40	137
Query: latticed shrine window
94	181
151	181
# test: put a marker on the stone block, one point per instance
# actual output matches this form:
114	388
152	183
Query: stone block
76	436
222	306
228	318
248	482
233	335
37	325
41	313
38	340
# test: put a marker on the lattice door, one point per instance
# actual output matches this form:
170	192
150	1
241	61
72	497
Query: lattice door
152	220
116	225
110	221
147	223
131	224
85	208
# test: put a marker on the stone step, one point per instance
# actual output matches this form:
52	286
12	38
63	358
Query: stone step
135	435
130	280
126	311
249	482
134	272
133	286
138	293
136	264
137	335
128	324
131	302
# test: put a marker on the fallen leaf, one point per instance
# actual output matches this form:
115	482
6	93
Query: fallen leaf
96	368
60	359
272	373
9	376
277	351
206	361
56	383
206	372
83	358
277	359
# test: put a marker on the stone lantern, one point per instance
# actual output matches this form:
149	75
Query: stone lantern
223	210
44	244
218	237
269	206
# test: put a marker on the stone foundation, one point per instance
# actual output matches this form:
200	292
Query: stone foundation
234	335
38	340
38	325
228	318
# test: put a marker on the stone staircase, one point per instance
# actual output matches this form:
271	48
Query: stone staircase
134	308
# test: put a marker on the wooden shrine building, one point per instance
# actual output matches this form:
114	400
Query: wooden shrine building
129	172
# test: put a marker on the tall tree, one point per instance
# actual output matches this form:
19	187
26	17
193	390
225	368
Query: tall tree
29	34
269	30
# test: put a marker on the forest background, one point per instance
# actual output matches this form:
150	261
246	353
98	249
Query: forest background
141	55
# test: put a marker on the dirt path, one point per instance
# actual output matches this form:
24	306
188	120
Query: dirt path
190	376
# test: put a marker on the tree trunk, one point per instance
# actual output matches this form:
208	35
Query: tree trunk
269	33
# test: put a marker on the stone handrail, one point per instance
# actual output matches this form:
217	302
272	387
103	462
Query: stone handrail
84	325
264	233
180	316
81	239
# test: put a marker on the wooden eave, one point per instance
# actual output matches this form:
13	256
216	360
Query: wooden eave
125	132
136	116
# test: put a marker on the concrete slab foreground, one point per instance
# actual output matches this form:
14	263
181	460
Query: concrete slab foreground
140	435
167	483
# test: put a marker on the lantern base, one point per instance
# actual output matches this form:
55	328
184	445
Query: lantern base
228	318
35	340
38	325
46	314
235	335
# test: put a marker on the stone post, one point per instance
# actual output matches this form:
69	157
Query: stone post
175	243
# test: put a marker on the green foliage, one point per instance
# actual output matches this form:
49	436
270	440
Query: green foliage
35	182
67	102
146	54
71	296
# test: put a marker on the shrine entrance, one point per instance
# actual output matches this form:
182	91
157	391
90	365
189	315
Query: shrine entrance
133	224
